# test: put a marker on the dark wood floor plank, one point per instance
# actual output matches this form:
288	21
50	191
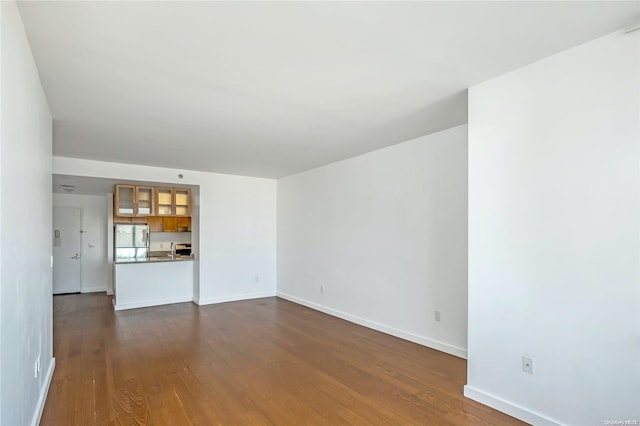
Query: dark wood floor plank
256	362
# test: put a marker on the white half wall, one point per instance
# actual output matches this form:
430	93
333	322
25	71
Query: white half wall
554	237
26	326
94	265
381	239
236	233
153	284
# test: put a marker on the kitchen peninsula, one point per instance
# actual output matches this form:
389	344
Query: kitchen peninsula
153	262
139	283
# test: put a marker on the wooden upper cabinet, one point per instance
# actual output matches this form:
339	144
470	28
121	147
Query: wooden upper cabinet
169	224
134	201
146	201
173	202
182	202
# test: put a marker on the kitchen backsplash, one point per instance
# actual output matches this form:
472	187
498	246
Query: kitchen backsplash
161	241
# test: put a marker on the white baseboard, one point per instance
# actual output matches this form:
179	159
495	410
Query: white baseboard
514	410
424	341
43	393
145	304
246	296
93	290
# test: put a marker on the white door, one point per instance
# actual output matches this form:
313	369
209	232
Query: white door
66	250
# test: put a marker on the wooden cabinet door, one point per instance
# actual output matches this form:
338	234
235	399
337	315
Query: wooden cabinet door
125	201
145	204
164	201
155	224
182	202
170	224
184	224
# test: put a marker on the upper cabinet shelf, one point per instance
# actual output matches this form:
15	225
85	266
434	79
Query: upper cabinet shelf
144	201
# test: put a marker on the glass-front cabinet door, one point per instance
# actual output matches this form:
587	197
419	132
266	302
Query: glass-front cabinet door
144	201
165	202
183	202
125	200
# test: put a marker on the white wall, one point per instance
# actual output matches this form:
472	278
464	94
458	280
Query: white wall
236	230
25	225
385	234
554	181
94	266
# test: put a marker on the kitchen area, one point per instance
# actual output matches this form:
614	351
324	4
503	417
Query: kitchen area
152	251
229	222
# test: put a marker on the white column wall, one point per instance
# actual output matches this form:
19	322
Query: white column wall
554	236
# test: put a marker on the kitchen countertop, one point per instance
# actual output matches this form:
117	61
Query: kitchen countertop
155	259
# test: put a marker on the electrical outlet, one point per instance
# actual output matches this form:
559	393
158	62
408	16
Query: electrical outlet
527	365
436	315
322	289
161	245
36	368
257	278
39	365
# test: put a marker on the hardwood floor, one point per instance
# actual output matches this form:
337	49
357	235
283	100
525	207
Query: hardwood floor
264	361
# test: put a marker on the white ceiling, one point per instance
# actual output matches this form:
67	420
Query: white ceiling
270	89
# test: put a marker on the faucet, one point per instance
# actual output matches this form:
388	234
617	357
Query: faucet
173	250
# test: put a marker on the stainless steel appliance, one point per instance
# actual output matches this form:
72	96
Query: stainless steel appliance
183	249
131	242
